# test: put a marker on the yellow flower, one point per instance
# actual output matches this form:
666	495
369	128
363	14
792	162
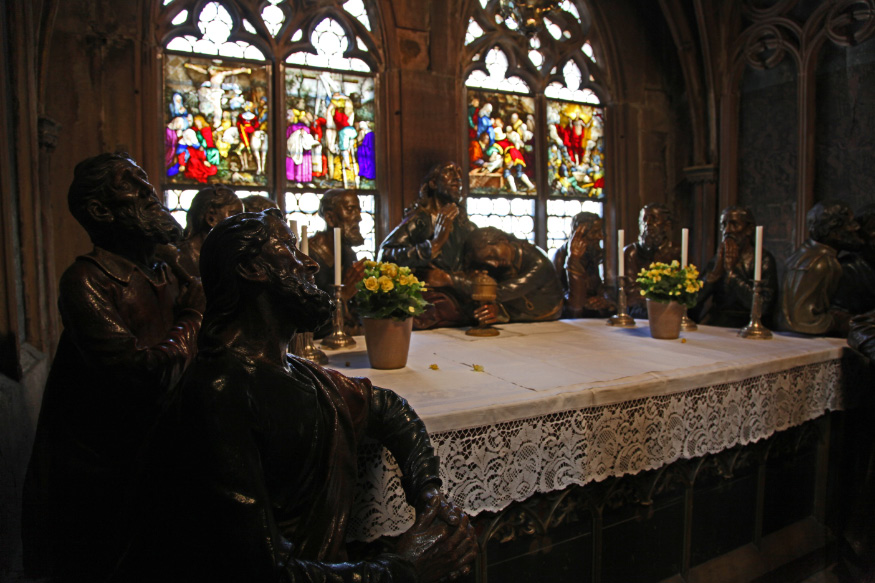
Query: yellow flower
386	283
372	284
411	309
403	279
675	263
389	269
370	264
404	270
433	367
478	368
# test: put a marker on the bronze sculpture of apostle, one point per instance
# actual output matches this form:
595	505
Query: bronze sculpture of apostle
727	293
250	471
577	263
208	208
813	271
856	291
655	222
130	325
340	209
255	203
528	285
430	241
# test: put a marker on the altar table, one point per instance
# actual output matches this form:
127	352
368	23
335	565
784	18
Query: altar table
548	405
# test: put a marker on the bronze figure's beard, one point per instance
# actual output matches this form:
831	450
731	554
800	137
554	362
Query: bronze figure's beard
653	238
352	235
311	306
160	228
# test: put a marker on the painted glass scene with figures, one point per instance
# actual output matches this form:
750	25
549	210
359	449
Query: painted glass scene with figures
330	131
216	121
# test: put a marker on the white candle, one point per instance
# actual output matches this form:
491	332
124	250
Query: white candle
305	243
685	247
337	256
293	226
758	257
621	258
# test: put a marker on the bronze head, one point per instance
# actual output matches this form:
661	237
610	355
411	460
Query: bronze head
588	227
341	208
490	248
208	208
255	203
654	225
112	199
831	222
254	255
737	223
444	183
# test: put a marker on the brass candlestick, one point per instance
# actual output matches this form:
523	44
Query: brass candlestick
755	328
621	319
687	324
338	338
485	292
309	351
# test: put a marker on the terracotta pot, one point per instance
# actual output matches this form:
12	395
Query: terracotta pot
388	342
665	319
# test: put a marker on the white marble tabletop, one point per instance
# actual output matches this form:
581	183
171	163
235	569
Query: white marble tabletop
533	369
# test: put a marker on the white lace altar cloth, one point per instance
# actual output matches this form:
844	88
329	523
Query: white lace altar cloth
574	402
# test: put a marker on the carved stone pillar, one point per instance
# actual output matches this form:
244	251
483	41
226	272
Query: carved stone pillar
48	131
703	230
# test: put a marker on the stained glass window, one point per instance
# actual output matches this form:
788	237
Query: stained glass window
501	154
330	132
215	121
561	136
220	64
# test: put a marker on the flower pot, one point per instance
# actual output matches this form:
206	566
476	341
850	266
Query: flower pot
665	319
388	342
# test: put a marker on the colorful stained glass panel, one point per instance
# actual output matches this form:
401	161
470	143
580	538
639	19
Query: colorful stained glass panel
575	149
329	141
216	121
501	156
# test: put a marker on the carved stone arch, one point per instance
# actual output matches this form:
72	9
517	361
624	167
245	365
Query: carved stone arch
517	65
352	28
168	31
587	68
751	9
850	22
762	46
765	45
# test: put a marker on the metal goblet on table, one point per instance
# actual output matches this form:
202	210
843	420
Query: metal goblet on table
485	292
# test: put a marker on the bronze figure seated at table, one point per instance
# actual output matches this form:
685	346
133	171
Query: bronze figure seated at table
340	209
528	286
856	291
577	262
208	208
655	222
813	272
130	328
430	241
250	471
727	294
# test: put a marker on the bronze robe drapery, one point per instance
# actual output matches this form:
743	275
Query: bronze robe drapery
250	474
